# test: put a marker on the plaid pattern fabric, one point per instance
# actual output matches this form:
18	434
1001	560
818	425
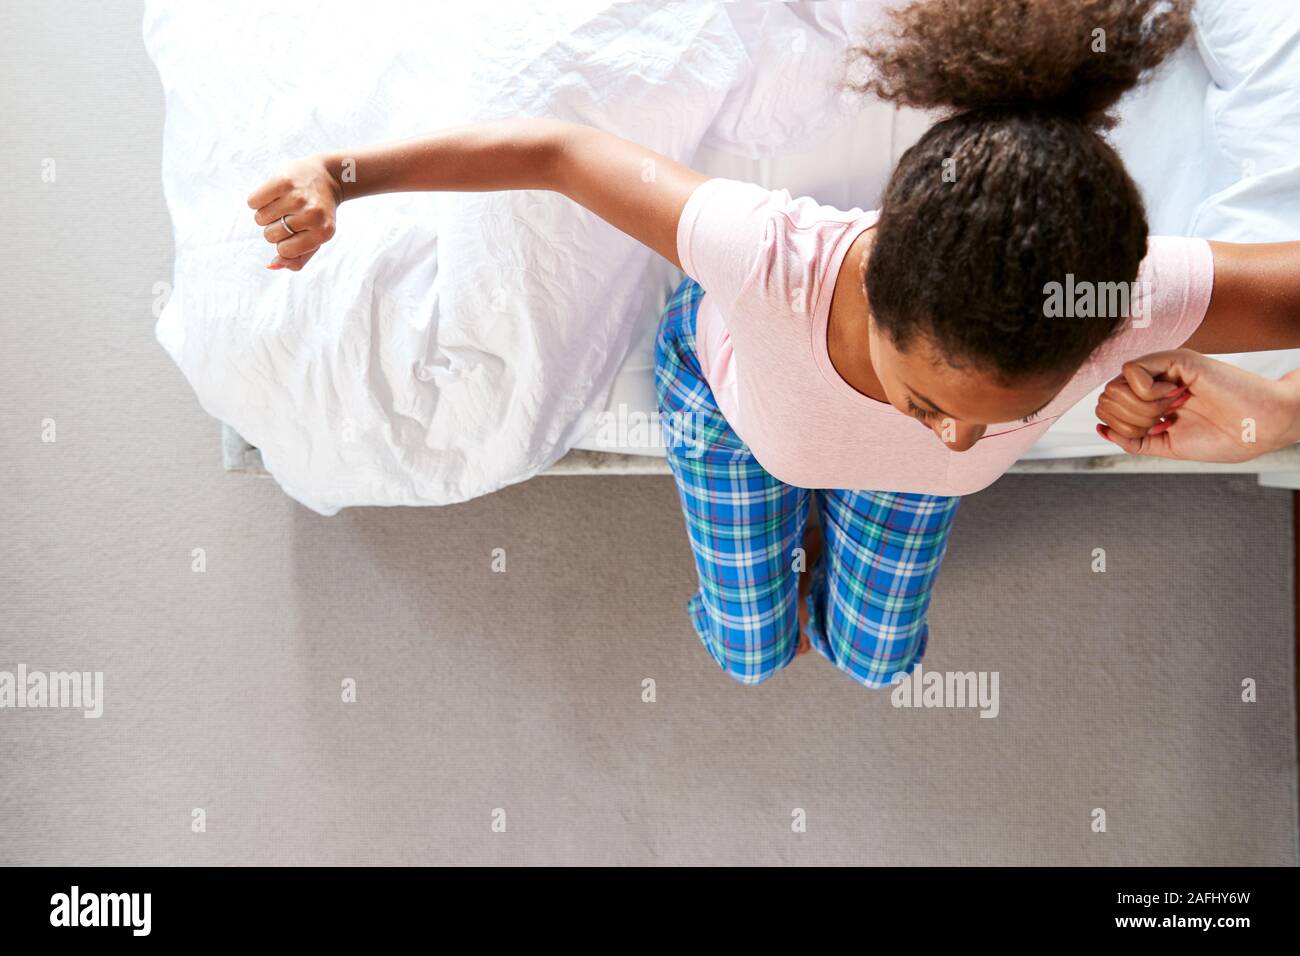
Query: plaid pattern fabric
871	585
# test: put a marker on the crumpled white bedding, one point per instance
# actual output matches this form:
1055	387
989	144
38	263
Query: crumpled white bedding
443	346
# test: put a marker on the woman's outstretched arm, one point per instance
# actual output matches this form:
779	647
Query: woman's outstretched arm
635	189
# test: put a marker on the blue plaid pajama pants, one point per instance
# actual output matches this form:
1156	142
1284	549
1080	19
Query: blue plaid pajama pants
870	586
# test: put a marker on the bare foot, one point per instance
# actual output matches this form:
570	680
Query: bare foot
812	548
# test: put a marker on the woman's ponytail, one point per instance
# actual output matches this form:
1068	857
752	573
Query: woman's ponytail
1074	58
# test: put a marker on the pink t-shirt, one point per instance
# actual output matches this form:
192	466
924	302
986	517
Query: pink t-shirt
768	265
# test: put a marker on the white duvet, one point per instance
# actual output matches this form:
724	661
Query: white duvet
443	346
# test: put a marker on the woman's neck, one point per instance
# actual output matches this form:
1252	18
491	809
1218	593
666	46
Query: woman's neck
848	340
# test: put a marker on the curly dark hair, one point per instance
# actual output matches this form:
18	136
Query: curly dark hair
1015	188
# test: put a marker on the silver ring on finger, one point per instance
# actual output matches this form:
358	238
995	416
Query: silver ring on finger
284	221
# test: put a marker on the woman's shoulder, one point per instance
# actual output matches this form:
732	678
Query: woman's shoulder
741	240
1160	309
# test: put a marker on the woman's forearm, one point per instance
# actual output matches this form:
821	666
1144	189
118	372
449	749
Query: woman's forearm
501	154
634	189
1290	385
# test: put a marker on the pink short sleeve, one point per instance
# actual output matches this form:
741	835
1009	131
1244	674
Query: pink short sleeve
1173	294
758	252
720	235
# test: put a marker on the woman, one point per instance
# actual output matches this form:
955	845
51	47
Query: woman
813	353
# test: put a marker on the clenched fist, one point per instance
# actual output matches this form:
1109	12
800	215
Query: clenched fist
296	209
1181	404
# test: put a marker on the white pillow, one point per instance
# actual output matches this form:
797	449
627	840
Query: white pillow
1252	50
